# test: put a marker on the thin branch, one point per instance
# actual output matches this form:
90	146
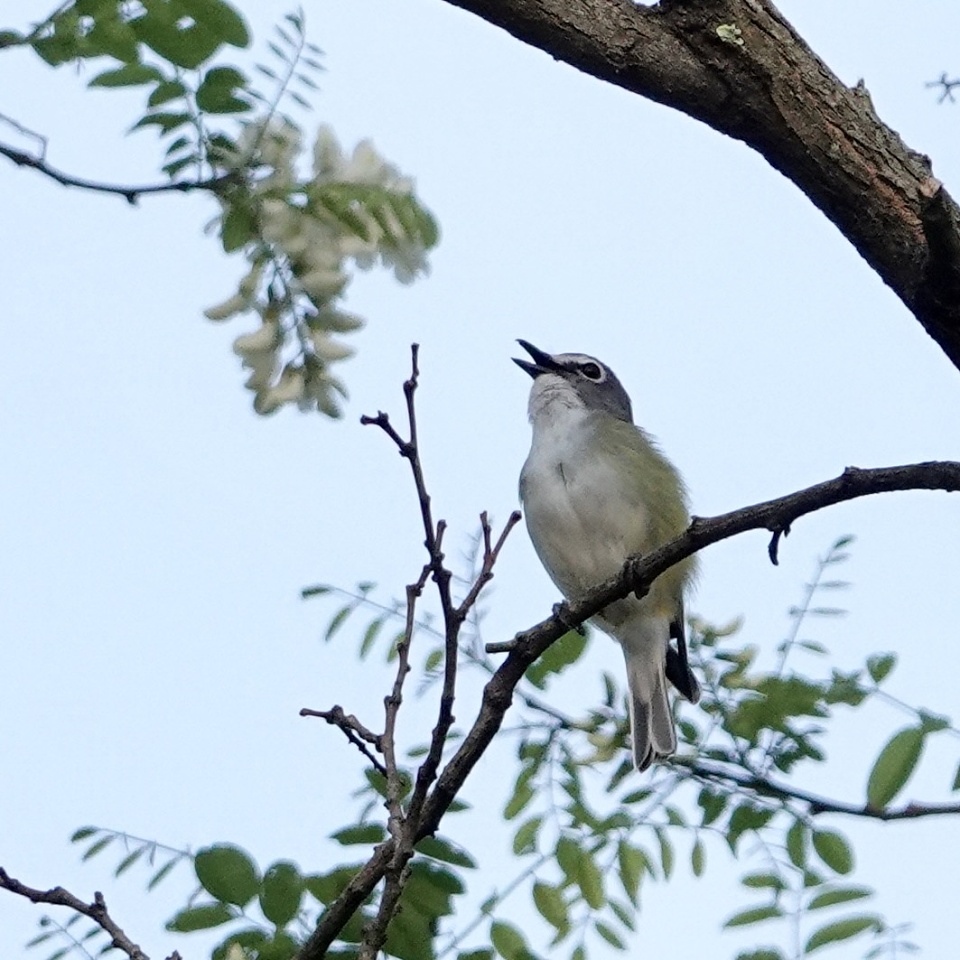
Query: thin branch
433	541
946	85
636	575
96	911
130	193
815	803
352	729
490	554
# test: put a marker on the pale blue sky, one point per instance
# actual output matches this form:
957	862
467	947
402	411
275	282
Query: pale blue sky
157	533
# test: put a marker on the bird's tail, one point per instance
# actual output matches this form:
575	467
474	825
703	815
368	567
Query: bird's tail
651	722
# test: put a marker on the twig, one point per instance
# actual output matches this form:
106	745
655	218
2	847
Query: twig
130	193
816	804
96	911
490	554
947	87
352	729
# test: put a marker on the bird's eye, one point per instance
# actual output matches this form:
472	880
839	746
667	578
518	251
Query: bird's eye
591	371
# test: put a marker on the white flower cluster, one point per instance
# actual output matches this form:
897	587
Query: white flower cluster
355	208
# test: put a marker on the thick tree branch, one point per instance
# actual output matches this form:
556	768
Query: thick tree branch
636	575
96	911
740	67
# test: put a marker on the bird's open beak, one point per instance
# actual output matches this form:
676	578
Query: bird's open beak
542	362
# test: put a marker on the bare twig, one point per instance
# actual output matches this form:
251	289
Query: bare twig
490	554
96	911
815	804
946	85
130	193
404	826
352	729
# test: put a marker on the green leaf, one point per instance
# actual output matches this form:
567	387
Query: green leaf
161	874
217	91
326	887
879	665
522	795
632	862
624	913
337	622
186	47
129	860
568	857
609	934
666	853
201	918
445	851
762	953
834	850
281	892
165	121
956	780
95	848
590	880
839	930
221	18
251	939
129	75
483	954
111	37
933	722
830	898
698	858
746	818
370	635
797	844
227	873
525	839
553	908
440	880
237	229
754	915
364	833
508	941
166	91
893	767
763	881
317	590
712	804
172	168
83	833
557	657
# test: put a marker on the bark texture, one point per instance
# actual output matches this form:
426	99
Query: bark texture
739	66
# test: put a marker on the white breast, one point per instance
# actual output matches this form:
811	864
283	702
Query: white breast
581	520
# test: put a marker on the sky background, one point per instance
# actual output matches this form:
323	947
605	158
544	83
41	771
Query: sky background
156	533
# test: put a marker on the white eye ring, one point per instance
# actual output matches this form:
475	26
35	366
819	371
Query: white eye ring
592	371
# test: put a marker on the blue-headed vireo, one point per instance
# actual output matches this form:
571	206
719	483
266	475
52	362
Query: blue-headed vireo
596	490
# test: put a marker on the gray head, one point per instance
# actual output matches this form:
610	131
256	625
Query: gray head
574	380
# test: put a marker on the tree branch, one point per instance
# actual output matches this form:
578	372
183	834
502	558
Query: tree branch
636	576
352	729
96	911
741	68
815	803
130	193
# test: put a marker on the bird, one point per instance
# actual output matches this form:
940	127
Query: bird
595	490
